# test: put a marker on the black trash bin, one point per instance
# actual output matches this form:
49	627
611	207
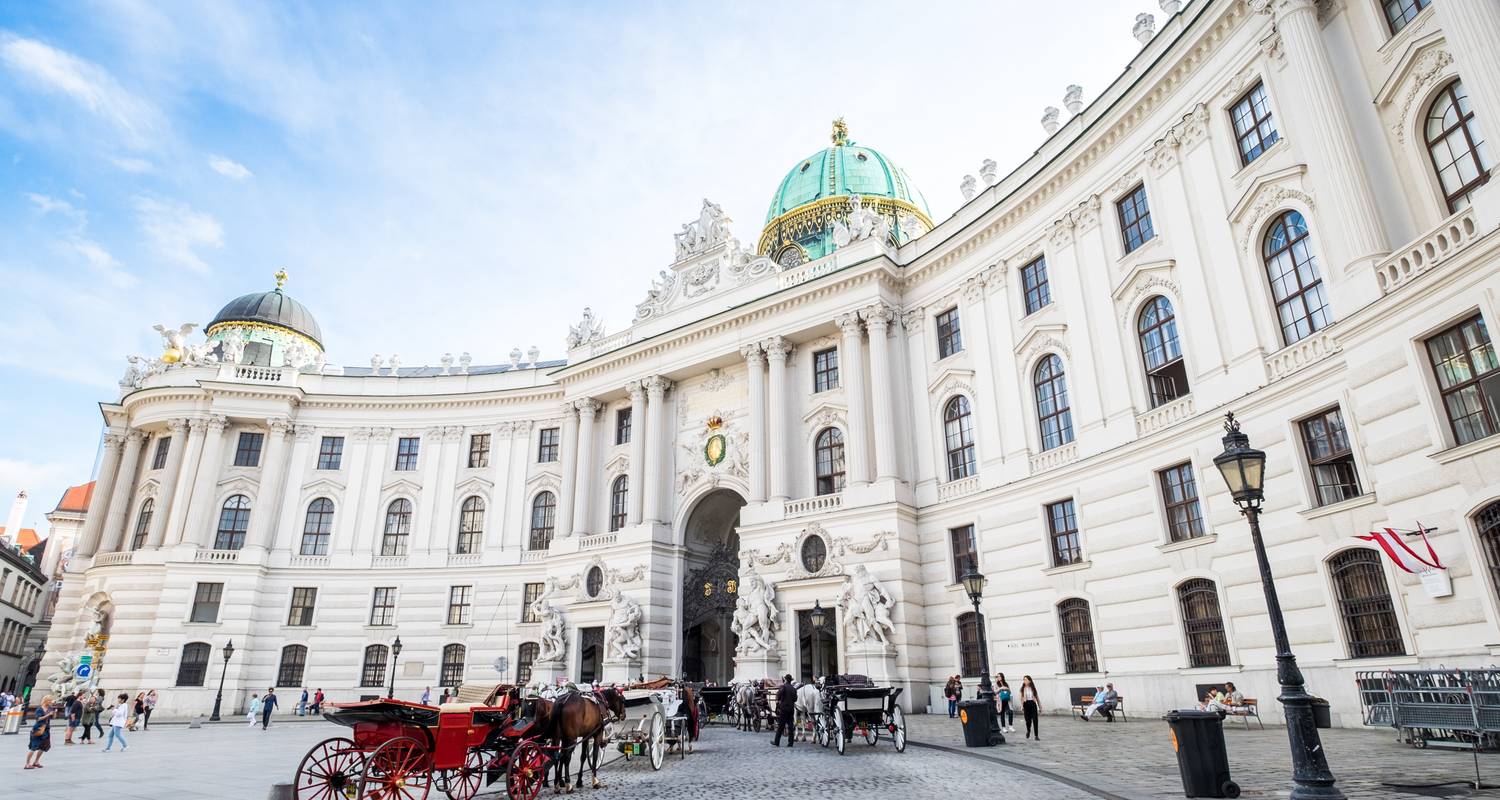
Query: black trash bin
1322	717
980	727
1198	738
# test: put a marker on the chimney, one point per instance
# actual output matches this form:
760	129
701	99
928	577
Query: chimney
13	522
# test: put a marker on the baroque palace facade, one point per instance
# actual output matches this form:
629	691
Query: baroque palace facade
1279	209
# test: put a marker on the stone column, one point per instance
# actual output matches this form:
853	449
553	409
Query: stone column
1472	28
502	445
882	391
516	510
755	365
583	520
119	501
777	352
266	515
202	510
852	375
569	468
638	434
166	498
979	339
656	430
93	524
441	531
350	519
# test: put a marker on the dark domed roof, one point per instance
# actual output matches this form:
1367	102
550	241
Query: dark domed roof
271	308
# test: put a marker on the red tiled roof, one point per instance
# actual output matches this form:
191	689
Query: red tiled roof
28	537
77	498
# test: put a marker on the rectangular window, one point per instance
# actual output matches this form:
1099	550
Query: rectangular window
528	600
257	354
1062	525
407	448
1400	12
1179	492
965	554
1253	127
826	369
206	602
950	340
1034	281
547	444
479	451
1468	377
247	454
460	604
1329	458
622	426
163	445
331	452
383	607
303	600
1135	219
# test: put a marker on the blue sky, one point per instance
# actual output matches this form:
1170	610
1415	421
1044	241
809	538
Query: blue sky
441	177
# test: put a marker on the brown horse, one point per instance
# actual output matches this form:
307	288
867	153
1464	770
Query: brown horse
580	717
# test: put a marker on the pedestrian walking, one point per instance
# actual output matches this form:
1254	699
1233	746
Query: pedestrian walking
118	718
90	717
1002	699
1031	705
73	708
267	705
427	696
254	710
786	707
41	735
138	710
102	704
954	692
302	704
149	707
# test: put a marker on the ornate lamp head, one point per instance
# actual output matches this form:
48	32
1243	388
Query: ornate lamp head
1243	467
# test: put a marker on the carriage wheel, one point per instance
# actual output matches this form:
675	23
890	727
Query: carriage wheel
658	740
527	772
841	734
463	783
820	729
400	769
898	728
329	771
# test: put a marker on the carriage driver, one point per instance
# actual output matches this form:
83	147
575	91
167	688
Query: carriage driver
786	706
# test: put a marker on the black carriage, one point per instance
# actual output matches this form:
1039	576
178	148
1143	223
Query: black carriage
852	706
716	704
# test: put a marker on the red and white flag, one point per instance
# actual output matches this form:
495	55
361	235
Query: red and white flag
1395	546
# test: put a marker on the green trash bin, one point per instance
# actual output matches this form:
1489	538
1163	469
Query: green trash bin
1198	738
981	729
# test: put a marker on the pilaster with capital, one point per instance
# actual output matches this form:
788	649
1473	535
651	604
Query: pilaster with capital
124	489
510	479
1472	28
588	413
171	472
755	370
778	350
638	433
210	463
979	339
567	492
656	441
852	375
265	520
109	468
440	531
878	319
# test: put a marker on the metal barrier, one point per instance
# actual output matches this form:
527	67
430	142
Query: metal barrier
1455	708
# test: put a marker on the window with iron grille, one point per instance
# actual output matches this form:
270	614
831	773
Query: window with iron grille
1456	146
548	441
234	520
331	452
1468	378
1487	521
1034	281
965	552
247	452
452	673
826	369
304	598
623	421
192	668
470	525
1400	12
1166	374
543	518
1329	458
1077	636
317	528
163	446
525	657
618	495
383	606
1365	604
970	642
958	434
479	451
460	604
1062	527
1135	218
206	602
532	592
407	448
1053	413
950	339
397	528
1254	129
143	524
1296	284
293	660
1179	493
829	461
372	673
1203	624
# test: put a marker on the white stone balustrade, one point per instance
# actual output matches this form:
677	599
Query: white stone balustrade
216	556
315	562
1164	415
813	505
1429	250
1294	357
1056	457
114	559
597	541
959	488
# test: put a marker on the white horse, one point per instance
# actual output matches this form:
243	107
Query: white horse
809	700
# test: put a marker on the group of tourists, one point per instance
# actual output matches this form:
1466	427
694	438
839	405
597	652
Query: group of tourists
1005	700
87	710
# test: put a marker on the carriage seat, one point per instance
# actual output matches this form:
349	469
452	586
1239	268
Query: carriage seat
459	708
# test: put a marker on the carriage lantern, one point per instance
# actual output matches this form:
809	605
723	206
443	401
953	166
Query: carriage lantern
395	652
219	698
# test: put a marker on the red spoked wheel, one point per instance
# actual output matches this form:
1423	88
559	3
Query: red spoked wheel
527	772
463	783
329	771
400	769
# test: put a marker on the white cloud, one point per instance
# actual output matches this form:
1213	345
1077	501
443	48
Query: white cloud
88	84
132	165
175	232
229	168
100	260
47	205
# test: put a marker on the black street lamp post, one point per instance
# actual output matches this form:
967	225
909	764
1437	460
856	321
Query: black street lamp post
395	653
219	698
974	584
817	617
1243	469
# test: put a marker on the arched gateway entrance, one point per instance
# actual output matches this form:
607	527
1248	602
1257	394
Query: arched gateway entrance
711	573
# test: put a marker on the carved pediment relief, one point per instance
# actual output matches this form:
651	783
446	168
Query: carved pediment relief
952	380
474	485
540	481
824	414
238	483
1424	64
1040	339
1145	275
618	465
402	485
1264	195
323	486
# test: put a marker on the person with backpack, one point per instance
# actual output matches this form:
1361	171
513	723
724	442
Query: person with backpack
954	691
1002	699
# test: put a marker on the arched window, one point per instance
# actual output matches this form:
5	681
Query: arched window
142	524
1295	283
1365	604
543	516
1077	636
234	520
828	451
619	493
970	640
1456	145
452	673
397	528
1166	375
1204	625
293	660
958	433
470	525
373	671
1054	415
317	527
193	667
1488	523
525	657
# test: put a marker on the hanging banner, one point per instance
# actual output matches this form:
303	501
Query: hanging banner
1422	562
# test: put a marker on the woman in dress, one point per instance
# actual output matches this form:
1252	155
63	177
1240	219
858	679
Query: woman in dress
41	734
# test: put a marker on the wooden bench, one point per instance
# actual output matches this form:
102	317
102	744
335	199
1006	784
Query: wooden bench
1083	697
1251	708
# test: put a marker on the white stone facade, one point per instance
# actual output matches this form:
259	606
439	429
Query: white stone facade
724	346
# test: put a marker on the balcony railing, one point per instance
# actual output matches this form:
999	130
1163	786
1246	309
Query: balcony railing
388	561
1164	415
955	489
463	559
216	556
813	505
1449	237
1056	457
309	561
114	559
1294	357
533	556
597	540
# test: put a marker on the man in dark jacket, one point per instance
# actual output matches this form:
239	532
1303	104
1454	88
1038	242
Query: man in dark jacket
267	705
786	706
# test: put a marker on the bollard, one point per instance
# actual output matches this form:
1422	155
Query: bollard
281	791
13	720
196	722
